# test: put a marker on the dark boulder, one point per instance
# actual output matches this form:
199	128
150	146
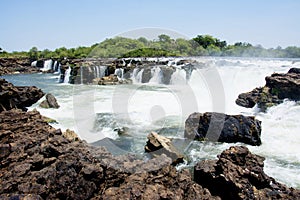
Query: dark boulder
220	127
49	102
239	174
278	87
17	96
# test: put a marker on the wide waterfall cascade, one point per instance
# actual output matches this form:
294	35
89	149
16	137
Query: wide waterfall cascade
67	75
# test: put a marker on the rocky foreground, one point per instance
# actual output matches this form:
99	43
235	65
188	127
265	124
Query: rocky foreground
278	87
38	161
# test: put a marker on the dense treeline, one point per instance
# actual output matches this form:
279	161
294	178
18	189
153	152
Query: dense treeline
164	45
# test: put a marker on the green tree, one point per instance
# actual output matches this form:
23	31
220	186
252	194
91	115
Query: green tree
33	53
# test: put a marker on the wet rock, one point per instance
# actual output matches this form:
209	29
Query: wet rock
220	127
49	102
278	87
17	96
158	145
238	174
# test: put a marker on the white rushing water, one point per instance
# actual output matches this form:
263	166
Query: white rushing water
95	111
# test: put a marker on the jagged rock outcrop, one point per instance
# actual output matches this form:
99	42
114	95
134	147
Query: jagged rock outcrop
49	102
220	127
16	65
238	174
278	87
17	96
158	145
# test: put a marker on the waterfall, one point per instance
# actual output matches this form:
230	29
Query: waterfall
156	75
48	64
178	77
102	70
81	75
67	75
137	75
120	73
33	64
95	70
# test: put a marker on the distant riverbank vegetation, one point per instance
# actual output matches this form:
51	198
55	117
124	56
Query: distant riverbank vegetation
164	45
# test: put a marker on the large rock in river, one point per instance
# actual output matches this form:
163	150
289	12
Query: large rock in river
278	87
220	127
17	96
239	174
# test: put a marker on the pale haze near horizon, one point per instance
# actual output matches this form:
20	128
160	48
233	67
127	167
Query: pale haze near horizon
54	24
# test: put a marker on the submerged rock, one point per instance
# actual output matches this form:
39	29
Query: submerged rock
17	96
238	174
220	127
278	87
159	145
49	102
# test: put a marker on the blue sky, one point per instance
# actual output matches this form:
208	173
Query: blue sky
55	23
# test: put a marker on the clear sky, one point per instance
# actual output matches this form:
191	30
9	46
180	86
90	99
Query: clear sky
55	23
